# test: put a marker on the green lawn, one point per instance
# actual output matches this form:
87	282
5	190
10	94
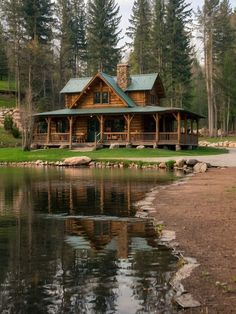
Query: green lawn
17	155
6	139
7	102
9	86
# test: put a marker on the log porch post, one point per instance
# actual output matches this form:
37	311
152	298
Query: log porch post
101	122
185	128
71	131
49	129
157	118
179	127
128	119
192	130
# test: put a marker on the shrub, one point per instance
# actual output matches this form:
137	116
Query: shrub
170	164
15	132
8	123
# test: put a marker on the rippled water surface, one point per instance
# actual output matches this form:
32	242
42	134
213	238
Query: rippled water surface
70	243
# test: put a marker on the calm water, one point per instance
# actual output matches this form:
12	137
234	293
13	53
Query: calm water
70	243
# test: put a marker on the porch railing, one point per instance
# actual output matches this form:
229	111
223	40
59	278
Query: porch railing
40	138
189	139
142	137
115	136
168	137
109	137
59	137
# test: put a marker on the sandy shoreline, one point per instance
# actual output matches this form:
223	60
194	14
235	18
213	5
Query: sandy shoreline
202	212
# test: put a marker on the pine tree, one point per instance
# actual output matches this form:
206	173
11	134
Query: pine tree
158	45
13	26
38	19
64	35
3	56
140	34
103	36
178	53
78	37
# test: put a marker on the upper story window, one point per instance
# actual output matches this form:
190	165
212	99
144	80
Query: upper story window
105	97
97	98
101	98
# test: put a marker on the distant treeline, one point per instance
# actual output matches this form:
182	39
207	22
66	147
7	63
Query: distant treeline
44	43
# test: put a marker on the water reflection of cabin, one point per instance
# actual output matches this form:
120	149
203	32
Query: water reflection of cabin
123	110
114	232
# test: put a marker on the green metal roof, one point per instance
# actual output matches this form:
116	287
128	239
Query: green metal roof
110	80
76	85
138	82
111	111
142	82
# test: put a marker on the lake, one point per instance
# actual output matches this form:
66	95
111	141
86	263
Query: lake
70	242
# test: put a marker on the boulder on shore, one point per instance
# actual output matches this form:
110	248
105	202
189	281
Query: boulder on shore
180	163
200	167
77	161
191	162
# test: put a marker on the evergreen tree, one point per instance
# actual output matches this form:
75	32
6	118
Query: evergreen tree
140	34
78	37
103	36
178	53
158	37
3	56
65	36
38	20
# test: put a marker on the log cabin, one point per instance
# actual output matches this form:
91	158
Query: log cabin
124	110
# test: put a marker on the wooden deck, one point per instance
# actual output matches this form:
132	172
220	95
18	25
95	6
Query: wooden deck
121	138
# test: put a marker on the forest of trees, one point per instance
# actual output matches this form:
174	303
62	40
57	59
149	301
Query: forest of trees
44	43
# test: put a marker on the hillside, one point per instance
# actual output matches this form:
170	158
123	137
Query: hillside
7	94
7	140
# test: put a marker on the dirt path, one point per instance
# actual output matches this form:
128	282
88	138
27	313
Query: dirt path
203	213
228	160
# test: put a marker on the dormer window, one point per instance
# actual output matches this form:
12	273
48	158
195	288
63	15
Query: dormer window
105	97
101	98
97	98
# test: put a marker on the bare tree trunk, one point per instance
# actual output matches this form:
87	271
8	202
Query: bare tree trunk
27	115
228	115
208	56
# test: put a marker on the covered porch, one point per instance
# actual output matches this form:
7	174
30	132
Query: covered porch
158	129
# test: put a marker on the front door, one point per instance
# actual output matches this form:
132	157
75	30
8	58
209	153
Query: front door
93	128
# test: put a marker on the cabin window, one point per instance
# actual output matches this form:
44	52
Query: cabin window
62	126
97	98
101	98
42	127
105	97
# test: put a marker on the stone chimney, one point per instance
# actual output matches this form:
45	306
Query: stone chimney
123	75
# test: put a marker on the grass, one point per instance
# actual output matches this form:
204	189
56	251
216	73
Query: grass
6	139
7	102
6	85
17	155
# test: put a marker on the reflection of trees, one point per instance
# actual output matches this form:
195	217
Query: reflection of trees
40	273
153	269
